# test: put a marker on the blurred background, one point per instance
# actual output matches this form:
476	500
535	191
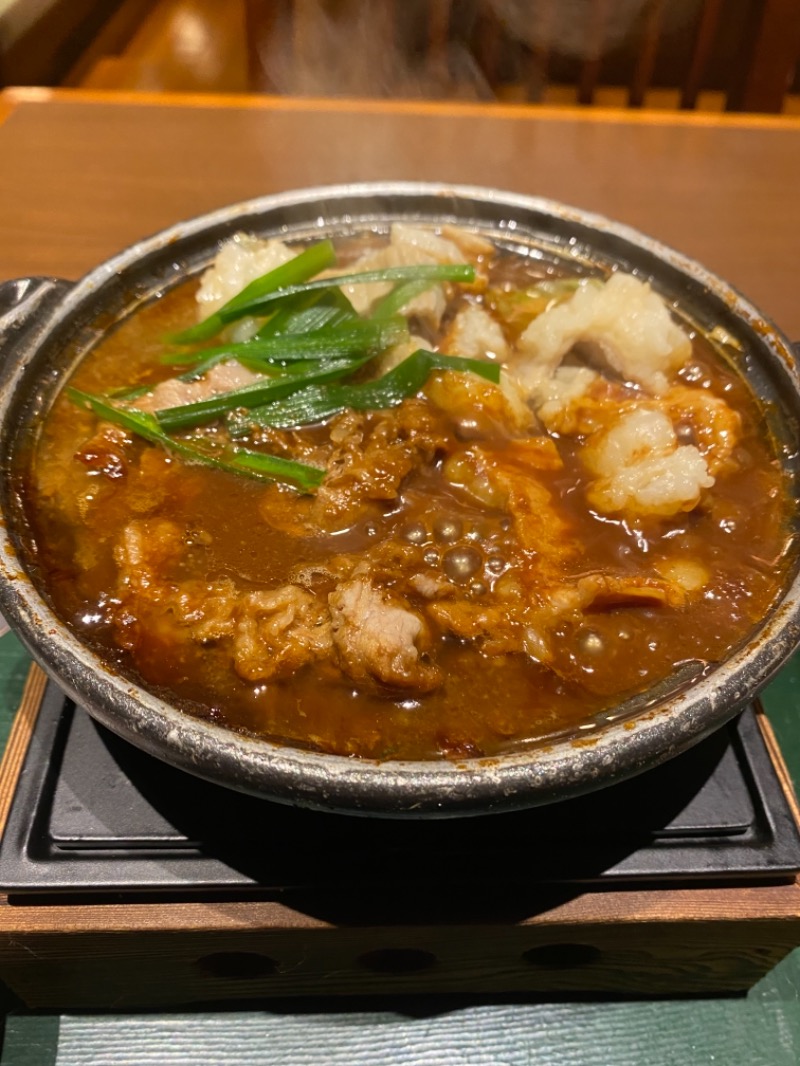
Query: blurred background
739	55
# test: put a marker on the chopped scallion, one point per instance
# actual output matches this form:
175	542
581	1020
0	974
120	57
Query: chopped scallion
400	295
308	312
275	468
330	342
287	276
317	403
239	461
434	272
189	415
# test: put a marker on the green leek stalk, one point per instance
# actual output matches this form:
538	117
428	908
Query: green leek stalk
317	403
240	461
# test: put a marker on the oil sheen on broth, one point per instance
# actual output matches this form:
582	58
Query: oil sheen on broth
483	565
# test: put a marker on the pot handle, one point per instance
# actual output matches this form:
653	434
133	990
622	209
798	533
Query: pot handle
24	300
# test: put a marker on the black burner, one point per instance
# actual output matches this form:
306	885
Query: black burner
93	814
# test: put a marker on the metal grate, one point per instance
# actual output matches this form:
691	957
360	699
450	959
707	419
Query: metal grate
94	815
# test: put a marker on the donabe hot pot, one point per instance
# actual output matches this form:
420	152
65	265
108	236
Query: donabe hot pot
48	324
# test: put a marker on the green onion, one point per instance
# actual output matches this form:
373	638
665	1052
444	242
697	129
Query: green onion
332	342
308	312
400	295
316	403
275	468
303	266
189	415
436	272
519	307
241	460
127	392
142	423
258	365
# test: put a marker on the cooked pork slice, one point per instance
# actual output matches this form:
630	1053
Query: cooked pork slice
147	546
368	458
510	480
496	629
480	408
624	319
107	452
602	591
541	530
272	633
144	555
373	455
533	604
714	426
106	457
521	621
278	632
224	377
379	638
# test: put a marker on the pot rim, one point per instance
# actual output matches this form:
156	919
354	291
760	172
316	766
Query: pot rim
555	770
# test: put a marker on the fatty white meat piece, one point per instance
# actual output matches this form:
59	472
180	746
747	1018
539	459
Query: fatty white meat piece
642	469
475	334
408	246
397	354
239	261
555	396
623	318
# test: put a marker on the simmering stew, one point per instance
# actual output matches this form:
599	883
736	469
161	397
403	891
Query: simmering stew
451	507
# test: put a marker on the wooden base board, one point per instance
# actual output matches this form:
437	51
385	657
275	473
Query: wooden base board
167	953
134	956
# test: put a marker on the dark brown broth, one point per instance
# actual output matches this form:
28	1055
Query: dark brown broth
488	704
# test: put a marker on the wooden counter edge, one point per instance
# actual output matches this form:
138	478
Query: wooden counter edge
7	104
14	96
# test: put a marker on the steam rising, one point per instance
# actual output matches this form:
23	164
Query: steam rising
444	48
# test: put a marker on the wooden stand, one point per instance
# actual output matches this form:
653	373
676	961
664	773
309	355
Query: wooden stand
174	953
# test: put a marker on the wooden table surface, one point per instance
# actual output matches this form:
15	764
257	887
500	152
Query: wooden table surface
83	175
